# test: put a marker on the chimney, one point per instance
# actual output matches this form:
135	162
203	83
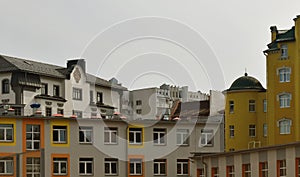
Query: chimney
274	33
80	62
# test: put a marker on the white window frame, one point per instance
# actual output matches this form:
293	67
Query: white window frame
7	164
284	126
247	170
231	131
282	167
134	163
32	140
110	132
207	137
284	100
135	132
85	161
284	51
60	162
182	137
252	106
112	163
62	138
284	74
182	164
231	172
160	133
77	93
35	167
264	168
252	130
231	106
7	132
265	105
158	163
215	173
265	130
87	133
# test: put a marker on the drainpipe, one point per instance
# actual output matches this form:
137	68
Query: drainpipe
205	166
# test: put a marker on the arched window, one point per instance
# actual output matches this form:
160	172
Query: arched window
284	100
5	86
284	126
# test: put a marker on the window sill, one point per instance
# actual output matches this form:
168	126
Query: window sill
110	143
86	143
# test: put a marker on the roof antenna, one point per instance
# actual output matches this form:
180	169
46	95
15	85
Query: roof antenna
246	74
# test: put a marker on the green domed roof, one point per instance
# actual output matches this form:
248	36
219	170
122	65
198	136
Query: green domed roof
245	83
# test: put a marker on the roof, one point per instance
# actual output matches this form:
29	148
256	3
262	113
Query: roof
281	36
190	109
245	83
10	64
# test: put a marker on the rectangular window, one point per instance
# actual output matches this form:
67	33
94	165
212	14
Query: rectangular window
48	111
44	89
33	168
139	111
33	137
246	170
284	51
285	126
281	168
207	137
111	166
77	94
265	130
182	137
201	172
77	113
85	134
99	97
85	166
135	136
252	130
110	135
265	105
231	131
59	134
6	166
159	136
263	169
138	102
182	166
6	132
60	111
5	86
251	105
285	100
56	90
91	96
231	106
215	172
135	166
284	74
159	166
230	171
60	166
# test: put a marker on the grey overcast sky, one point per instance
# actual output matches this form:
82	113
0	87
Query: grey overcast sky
203	44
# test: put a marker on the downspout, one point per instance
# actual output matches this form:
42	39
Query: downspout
205	166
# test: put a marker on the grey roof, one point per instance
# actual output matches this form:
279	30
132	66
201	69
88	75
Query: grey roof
9	64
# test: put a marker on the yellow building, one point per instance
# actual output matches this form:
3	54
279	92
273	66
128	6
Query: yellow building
245	114
273	115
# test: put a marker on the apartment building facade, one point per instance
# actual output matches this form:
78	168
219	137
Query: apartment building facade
57	146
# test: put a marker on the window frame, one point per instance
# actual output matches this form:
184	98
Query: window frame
4	129
108	132
247	170
6	168
160	133
230	171
231	106
161	165
33	141
109	162
263	169
215	172
284	74
83	130
5	86
208	136
284	100
183	167
56	90
99	97
231	131
265	105
284	51
61	138
133	163
48	111
184	141
44	89
85	161
34	166
135	132
281	168
252	130
252	105
77	94
60	161
284	126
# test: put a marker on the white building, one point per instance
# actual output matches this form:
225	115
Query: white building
58	90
